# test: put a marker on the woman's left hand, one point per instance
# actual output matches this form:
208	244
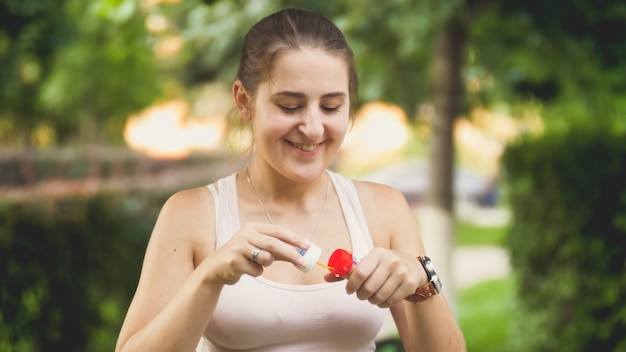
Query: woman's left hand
384	277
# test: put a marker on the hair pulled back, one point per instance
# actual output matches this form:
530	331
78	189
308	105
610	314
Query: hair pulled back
291	30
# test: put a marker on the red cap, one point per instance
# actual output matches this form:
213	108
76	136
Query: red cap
341	262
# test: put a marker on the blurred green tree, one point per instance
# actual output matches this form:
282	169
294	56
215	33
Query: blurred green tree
74	67
565	59
69	266
30	33
108	73
391	41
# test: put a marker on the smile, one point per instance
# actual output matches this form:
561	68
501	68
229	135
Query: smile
306	147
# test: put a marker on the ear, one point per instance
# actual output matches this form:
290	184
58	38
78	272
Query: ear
242	100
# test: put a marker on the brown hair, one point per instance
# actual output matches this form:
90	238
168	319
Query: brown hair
289	30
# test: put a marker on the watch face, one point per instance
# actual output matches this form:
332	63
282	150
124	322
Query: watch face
437	283
430	268
432	274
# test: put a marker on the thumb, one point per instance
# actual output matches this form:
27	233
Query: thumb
330	277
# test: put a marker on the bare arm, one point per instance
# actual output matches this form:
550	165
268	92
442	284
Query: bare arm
392	272
182	275
173	303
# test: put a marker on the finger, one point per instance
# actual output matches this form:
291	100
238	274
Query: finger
283	234
374	284
361	272
255	254
261	257
230	262
382	284
280	242
385	292
376	277
398	296
330	277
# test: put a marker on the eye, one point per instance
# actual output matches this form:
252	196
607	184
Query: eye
290	108
331	108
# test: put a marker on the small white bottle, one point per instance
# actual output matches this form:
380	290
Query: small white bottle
311	256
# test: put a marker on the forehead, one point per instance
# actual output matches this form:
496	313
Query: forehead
309	71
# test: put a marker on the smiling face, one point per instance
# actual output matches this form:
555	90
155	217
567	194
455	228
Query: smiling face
301	114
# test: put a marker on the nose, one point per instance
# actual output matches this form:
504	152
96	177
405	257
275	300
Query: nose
311	125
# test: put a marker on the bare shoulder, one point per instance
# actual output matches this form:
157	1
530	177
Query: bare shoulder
181	236
388	214
187	215
380	201
188	203
379	195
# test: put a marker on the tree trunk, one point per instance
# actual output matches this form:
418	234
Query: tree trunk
438	218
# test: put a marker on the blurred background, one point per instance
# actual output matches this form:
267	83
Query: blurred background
502	122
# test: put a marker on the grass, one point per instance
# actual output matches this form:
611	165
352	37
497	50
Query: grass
485	313
485	310
468	234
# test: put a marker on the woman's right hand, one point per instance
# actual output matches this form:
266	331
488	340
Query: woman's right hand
235	258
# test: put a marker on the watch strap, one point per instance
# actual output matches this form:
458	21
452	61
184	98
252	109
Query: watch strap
425	291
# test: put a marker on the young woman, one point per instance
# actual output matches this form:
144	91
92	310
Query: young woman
221	269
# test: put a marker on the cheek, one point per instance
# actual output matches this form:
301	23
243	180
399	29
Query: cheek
270	129
340	127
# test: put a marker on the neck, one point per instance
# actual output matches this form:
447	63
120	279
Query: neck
314	203
273	187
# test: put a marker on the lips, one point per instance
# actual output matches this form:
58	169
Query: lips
306	147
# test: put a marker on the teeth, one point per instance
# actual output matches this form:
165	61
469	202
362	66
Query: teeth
306	147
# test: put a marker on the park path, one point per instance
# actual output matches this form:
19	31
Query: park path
488	263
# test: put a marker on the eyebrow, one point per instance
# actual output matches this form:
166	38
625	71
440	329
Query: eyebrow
301	95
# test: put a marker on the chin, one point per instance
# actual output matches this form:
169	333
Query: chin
307	173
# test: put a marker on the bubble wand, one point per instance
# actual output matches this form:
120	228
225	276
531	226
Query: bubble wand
341	263
325	266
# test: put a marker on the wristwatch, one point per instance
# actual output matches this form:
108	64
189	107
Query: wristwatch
429	289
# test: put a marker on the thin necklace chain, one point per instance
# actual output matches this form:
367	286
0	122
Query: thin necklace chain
267	213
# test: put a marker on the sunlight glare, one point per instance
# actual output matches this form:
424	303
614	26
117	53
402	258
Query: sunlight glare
165	131
378	127
380	132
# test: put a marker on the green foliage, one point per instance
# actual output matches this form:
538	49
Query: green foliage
601	24
568	200
391	41
486	313
74	66
213	32
30	32
393	46
69	63
113	53
566	59
69	267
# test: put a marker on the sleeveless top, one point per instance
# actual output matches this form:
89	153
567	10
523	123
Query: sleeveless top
257	314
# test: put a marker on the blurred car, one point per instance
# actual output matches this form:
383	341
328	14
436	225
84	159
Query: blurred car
411	177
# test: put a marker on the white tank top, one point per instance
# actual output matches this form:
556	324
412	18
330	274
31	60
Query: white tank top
261	315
